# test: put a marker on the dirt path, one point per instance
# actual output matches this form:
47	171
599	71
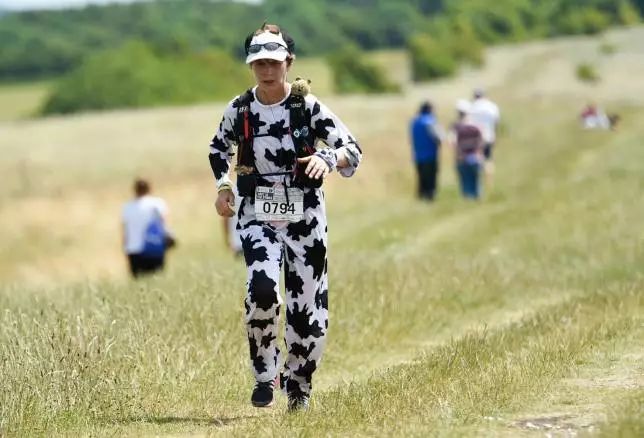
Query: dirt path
582	403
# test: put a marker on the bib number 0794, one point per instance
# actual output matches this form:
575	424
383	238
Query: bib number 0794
278	207
272	204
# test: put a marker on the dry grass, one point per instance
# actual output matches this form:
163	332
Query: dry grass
83	165
486	309
21	100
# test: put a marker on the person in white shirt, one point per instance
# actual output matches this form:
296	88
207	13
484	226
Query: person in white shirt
144	230
485	114
594	117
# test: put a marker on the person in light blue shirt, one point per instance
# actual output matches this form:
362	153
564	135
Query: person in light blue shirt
426	141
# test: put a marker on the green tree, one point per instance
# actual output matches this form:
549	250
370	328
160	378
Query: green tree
639	5
135	76
48	43
352	73
464	44
430	59
627	13
588	20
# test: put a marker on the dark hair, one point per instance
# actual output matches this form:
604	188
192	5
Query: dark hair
272	28
426	108
141	187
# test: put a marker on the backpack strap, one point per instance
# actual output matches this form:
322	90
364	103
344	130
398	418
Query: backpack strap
303	138
300	126
244	132
300	130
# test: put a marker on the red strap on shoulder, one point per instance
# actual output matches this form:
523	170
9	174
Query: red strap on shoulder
246	126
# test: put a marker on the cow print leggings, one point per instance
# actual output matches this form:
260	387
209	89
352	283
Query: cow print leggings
301	248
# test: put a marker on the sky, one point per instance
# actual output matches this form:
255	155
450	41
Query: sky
21	5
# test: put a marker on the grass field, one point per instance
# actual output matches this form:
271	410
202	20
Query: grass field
20	101
520	315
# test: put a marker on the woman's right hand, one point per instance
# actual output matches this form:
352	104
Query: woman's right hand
225	200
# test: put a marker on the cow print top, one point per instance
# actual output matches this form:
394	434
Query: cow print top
272	143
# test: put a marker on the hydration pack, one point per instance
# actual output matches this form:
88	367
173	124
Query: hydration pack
300	131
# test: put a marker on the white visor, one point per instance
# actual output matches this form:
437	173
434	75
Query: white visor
267	37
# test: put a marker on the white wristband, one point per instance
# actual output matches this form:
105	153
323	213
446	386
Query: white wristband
224	181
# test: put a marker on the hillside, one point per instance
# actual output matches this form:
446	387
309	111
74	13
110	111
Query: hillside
517	315
44	44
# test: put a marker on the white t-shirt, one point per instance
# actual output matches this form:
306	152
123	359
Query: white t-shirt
597	121
485	114
137	215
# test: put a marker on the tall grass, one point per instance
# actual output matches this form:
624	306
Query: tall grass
454	318
104	354
627	419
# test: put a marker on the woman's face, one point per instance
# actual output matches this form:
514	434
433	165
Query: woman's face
270	75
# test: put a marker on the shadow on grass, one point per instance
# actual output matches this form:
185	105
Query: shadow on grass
194	421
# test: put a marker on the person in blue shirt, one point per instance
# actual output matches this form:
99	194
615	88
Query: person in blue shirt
426	141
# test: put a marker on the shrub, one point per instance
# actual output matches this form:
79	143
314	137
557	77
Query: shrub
352	73
430	59
589	21
587	73
464	44
627	13
134	75
606	48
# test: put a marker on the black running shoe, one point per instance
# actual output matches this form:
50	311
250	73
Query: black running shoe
298	403
263	394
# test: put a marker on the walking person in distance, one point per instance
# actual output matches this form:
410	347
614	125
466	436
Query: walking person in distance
426	142
467	143
145	233
485	114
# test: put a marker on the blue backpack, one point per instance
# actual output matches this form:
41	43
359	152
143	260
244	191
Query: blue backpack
154	238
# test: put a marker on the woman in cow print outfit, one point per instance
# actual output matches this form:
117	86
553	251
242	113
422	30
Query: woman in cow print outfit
301	246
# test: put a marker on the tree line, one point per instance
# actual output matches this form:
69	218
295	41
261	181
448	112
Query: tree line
171	51
47	43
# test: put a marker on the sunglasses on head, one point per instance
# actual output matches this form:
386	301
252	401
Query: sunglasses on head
271	47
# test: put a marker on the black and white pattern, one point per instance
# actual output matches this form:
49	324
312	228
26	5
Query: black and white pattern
301	247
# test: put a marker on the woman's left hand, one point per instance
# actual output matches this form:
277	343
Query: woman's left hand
316	168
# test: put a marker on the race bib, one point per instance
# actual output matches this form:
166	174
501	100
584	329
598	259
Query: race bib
271	204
